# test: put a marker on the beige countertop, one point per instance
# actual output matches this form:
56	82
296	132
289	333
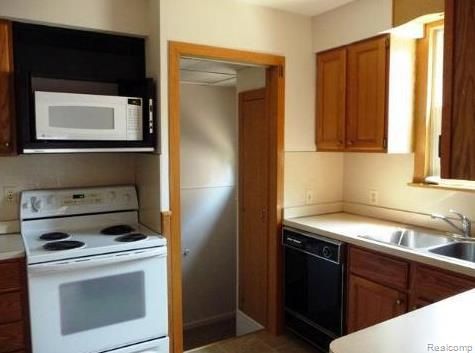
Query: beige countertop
347	228
11	246
437	327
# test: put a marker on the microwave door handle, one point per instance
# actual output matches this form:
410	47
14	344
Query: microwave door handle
70	265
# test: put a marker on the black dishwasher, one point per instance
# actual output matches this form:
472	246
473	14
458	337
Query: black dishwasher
314	286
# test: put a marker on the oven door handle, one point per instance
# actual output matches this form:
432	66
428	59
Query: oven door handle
94	261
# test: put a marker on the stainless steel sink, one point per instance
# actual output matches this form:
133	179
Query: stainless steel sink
459	250
412	239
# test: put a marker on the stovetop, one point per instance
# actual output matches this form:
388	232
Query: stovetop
85	229
62	232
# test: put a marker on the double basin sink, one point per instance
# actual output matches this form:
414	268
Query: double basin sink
431	241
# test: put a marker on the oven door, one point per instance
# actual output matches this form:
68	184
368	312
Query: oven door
80	117
98	303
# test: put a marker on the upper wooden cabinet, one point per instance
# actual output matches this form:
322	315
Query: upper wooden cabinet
365	96
458	120
405	11
7	131
331	99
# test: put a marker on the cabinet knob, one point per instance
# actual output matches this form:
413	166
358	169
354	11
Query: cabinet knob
398	302
350	142
7	144
414	307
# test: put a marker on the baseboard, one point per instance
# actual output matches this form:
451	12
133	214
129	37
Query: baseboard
245	324
209	320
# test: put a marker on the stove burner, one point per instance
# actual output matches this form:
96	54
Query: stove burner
131	237
55	236
63	245
117	230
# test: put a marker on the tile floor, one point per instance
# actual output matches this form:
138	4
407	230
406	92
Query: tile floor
259	342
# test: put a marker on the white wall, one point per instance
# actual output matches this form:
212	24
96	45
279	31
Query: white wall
352	22
48	171
233	24
389	175
147	170
105	15
209	201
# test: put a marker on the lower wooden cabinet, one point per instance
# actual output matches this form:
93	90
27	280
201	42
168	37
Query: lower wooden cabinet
12	337
371	303
14	323
373	298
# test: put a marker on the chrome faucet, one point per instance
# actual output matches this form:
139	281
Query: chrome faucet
466	224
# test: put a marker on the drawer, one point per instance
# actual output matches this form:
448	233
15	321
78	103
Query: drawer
434	285
10	276
11	337
380	268
10	307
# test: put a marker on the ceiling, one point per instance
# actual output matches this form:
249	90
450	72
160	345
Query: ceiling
209	72
302	7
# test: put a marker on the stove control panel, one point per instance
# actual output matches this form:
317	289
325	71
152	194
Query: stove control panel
51	203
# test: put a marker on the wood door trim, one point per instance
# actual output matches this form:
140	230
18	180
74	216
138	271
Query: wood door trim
276	80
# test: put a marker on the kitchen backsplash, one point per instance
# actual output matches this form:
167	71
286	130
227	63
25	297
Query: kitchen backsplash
58	171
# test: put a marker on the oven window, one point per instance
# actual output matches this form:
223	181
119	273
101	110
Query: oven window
76	117
100	302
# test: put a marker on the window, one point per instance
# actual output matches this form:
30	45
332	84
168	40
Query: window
429	92
434	98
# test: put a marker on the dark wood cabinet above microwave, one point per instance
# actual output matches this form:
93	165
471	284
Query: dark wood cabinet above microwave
50	59
7	111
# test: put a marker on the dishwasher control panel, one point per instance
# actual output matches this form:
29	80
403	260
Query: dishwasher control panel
313	244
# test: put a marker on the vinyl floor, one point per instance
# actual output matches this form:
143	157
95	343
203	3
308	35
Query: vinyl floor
259	342
205	335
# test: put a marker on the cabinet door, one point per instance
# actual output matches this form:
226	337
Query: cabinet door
433	285
6	89
331	100
370	303
368	64
458	117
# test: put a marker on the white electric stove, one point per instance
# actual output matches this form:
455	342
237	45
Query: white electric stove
97	278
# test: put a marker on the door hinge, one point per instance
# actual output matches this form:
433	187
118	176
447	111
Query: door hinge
387	42
385	143
281	70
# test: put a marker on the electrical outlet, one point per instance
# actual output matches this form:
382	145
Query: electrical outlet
309	196
10	193
373	197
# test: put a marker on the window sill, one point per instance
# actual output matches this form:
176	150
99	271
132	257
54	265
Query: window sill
443	187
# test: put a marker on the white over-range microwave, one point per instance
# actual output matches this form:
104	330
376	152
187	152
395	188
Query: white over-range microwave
71	122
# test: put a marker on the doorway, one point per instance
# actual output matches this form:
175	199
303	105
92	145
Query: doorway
274	110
